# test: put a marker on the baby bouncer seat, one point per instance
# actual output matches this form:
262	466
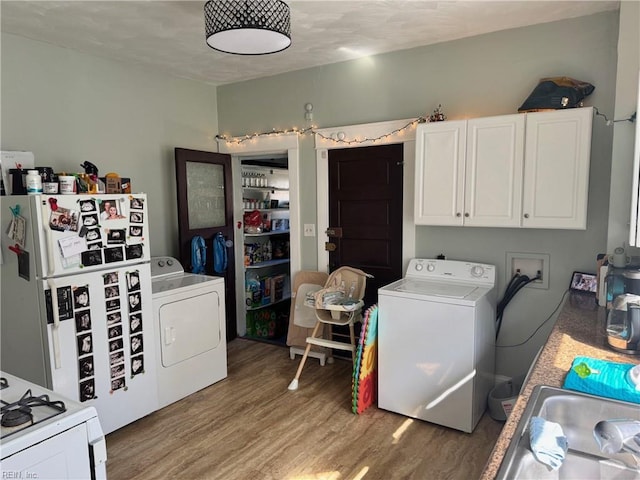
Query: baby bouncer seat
340	302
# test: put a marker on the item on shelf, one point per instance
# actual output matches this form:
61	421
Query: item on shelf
265	290
266	222
253	291
280	249
262	323
253	222
255	253
278	287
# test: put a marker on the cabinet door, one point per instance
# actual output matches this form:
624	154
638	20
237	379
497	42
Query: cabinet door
493	188
440	152
556	169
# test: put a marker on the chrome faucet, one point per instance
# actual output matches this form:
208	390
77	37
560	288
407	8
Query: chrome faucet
619	436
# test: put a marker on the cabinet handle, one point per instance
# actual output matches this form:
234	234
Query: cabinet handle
458	214
526	215
466	215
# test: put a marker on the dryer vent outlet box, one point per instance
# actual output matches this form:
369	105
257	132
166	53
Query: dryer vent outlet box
529	264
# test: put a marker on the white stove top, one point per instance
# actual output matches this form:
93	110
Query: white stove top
45	421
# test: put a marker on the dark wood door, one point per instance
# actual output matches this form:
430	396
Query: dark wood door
205	207
365	203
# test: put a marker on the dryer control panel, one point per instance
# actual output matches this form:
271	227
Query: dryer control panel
454	270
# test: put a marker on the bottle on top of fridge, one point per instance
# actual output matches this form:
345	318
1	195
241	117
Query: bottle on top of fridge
34	182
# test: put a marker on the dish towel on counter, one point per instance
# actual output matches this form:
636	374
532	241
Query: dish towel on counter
548	442
602	378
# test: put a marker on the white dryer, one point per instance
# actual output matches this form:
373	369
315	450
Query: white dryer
189	313
436	342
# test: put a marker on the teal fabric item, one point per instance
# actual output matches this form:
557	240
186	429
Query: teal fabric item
607	379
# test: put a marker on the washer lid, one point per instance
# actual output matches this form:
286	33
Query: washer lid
438	289
181	280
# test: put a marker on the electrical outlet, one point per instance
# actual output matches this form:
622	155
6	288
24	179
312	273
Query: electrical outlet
531	265
309	230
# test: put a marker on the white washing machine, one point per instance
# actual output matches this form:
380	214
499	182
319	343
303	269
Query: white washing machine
189	313
436	342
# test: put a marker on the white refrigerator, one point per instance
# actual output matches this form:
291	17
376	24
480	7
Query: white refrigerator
76	312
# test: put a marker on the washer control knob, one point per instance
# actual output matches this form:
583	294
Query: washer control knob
477	271
169	262
161	263
419	267
431	267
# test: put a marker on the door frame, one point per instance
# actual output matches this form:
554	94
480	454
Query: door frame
324	141
263	146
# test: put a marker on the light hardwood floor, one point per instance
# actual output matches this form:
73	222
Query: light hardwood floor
249	426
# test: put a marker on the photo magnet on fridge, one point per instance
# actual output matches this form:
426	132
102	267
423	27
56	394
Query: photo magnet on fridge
87	390
86	367
85	344
64	220
83	321
91	257
117	384
65	309
116	357
115	331
110	278
133	281
81	297
135	302
137	365
113	254
114	318
136	344
117	371
87	206
116	236
112	291
135	231
134	251
113	304
135	323
137	203
116	344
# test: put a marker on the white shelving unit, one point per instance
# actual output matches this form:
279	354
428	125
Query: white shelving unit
267	269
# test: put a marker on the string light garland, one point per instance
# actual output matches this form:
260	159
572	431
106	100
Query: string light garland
313	130
437	116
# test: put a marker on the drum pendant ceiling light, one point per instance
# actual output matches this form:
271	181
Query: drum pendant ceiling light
247	27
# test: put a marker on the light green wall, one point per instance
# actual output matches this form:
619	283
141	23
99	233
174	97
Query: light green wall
68	107
624	132
487	75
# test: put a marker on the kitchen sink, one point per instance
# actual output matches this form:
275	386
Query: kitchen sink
578	414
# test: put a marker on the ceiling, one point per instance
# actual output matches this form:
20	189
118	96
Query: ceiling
169	35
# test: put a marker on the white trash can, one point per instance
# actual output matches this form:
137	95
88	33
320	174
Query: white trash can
503	397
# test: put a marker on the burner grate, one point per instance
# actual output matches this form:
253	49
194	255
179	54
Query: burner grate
20	413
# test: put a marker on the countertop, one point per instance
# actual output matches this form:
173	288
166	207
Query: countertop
578	331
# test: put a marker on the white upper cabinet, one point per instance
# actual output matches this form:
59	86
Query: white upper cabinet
523	170
440	159
469	172
556	173
493	188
